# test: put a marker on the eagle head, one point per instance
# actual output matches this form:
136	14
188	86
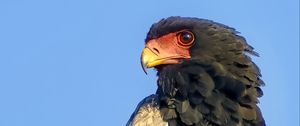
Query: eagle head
177	39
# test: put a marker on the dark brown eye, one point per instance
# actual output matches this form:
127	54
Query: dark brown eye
186	38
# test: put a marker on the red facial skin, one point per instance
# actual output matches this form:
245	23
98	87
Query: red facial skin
171	48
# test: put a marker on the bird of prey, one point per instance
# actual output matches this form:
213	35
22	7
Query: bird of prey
205	76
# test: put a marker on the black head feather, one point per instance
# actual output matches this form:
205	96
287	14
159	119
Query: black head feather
176	23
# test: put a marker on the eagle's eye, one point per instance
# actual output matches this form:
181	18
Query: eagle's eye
185	38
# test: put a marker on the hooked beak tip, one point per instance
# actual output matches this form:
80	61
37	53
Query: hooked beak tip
144	68
144	65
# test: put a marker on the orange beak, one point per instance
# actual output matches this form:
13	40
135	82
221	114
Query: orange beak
156	53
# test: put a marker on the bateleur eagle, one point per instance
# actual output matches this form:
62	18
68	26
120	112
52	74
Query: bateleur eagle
205	76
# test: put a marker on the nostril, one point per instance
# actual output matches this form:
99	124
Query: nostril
156	50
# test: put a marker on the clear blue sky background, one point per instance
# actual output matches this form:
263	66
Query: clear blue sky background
76	63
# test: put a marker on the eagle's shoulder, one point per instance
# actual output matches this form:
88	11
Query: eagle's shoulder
147	113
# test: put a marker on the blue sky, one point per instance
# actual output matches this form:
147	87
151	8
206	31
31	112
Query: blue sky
76	63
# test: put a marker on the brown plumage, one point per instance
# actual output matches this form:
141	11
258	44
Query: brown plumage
205	74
